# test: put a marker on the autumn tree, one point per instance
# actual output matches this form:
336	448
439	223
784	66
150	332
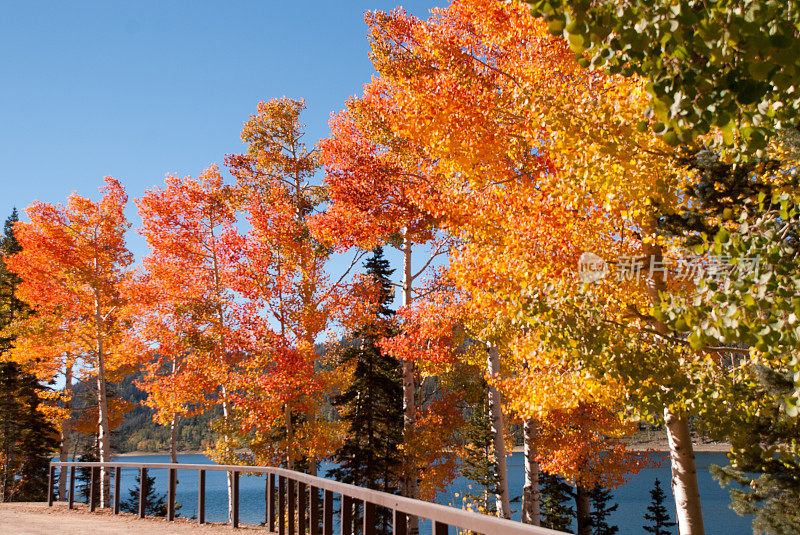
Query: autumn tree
371	176
593	160
283	271
192	314
73	266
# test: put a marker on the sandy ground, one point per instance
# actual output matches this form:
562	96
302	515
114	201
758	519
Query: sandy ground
38	519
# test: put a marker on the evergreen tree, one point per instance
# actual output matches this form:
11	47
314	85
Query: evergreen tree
755	408
658	514
555	495
600	496
478	463
83	476
773	497
155	504
372	405
11	307
26	437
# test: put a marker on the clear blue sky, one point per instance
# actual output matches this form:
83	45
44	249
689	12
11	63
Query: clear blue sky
137	90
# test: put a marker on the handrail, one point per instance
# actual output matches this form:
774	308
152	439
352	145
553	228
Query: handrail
442	516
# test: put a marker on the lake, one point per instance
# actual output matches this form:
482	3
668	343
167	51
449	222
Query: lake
633	498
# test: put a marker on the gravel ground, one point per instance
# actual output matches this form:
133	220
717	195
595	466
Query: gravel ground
38	519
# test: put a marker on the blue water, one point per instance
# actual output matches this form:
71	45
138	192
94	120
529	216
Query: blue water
632	498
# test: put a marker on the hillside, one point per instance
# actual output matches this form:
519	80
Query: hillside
138	432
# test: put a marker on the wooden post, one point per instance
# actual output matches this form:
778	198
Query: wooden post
201	498
171	494
271	502
327	522
313	513
282	505
92	480
71	486
399	523
439	528
292	505
51	476
117	483
369	519
142	494
235	519
302	493
347	514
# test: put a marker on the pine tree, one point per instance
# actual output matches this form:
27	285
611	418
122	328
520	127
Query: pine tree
26	437
768	490
600	496
83	475
372	405
555	495
155	504
658	514
478	463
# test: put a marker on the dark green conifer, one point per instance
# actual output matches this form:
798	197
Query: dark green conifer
478	464
555	495
155	504
658	515
26	437
83	476
600	496
372	405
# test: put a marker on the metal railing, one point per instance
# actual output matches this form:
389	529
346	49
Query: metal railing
300	503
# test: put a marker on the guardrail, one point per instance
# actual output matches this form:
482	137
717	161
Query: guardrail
303	504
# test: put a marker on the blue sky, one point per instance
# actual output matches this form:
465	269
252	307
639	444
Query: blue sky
137	90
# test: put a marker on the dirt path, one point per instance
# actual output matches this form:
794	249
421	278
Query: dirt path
38	519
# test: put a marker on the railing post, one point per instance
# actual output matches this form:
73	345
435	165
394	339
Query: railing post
346	514
399	523
91	488
327	522
271	502
292	504
313	511
281	505
201	497
171	495
440	528
72	486
142	492
369	519
51	476
302	493
235	519
117	483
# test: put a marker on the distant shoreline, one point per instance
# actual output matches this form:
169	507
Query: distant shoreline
655	446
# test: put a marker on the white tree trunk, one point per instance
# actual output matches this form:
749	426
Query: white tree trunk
684	472
498	440
66	429
531	504
225	416
411	484
104	425
684	475
287	415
